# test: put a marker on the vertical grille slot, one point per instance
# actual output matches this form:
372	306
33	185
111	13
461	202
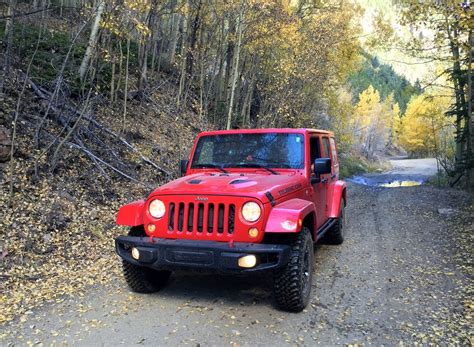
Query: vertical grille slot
200	217
231	218
210	216
171	217
220	219
190	218
181	216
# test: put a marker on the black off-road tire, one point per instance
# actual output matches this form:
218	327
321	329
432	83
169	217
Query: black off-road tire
292	283
335	236
142	279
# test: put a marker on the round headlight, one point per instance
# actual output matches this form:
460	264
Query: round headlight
157	208
251	211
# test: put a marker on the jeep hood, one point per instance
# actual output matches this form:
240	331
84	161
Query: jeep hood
248	184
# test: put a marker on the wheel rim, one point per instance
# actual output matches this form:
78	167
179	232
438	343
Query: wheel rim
306	273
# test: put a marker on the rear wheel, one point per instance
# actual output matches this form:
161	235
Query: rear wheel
142	279
292	283
335	236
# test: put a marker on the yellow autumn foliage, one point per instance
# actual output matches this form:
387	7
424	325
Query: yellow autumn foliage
373	122
425	124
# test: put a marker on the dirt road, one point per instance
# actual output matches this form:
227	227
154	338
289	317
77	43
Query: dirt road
402	274
423	167
410	171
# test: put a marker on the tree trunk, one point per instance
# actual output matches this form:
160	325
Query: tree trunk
246	105
8	43
229	58
182	79
143	80
459	85
119	82
468	123
154	40
125	97
92	40
112	81
193	39
175	23
236	67
220	92
201	89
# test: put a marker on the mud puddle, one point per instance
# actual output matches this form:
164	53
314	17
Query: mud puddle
404	173
388	181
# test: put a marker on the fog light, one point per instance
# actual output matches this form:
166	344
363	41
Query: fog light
151	228
248	261
135	253
253	232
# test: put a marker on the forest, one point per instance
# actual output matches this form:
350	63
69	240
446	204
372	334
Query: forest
237	64
99	99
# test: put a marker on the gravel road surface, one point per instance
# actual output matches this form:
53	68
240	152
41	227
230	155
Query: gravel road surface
403	274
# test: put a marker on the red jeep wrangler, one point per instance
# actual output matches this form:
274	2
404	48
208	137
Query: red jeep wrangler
249	200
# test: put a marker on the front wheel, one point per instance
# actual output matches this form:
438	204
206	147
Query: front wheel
292	283
141	279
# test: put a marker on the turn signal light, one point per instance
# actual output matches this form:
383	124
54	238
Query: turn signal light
248	261
253	232
151	228
289	225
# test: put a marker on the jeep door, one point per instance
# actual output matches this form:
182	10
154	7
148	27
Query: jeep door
319	187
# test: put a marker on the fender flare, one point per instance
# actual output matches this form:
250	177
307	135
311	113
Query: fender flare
337	191
288	216
131	214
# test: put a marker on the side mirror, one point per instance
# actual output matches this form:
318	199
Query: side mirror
322	166
183	165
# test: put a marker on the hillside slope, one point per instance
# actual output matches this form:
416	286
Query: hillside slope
56	240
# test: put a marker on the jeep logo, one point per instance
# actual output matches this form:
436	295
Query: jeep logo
200	198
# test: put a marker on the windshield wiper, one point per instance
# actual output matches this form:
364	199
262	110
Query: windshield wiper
255	165
212	166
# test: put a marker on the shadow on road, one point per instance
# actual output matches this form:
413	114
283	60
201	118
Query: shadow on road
207	287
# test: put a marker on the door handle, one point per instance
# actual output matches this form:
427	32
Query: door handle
333	176
324	180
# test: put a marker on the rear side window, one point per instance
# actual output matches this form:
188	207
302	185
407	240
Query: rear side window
327	148
315	150
333	150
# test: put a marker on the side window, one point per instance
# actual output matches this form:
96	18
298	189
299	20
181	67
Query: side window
333	149
327	148
315	150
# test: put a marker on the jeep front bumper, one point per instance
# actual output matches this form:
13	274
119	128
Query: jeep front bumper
171	254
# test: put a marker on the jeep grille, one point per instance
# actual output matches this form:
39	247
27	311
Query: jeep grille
198	217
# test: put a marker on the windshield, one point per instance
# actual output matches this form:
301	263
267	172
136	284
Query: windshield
269	150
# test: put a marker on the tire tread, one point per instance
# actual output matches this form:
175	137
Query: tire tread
287	285
141	279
